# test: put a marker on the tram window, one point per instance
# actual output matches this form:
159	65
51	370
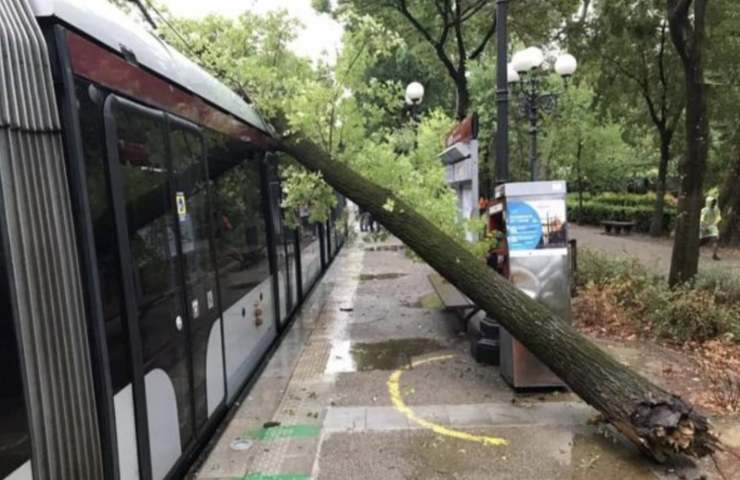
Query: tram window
239	223
187	162
90	100
15	444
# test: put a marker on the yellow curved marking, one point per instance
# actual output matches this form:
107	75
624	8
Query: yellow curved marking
394	390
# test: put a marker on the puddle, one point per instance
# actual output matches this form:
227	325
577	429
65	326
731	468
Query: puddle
392	354
380	276
340	358
594	456
429	301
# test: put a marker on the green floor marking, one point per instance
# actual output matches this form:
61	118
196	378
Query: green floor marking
259	476
287	431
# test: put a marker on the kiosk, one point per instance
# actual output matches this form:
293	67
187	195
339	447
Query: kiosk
532	216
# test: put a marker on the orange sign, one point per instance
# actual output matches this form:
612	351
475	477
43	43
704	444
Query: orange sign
464	131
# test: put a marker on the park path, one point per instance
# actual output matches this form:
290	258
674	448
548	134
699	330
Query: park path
652	252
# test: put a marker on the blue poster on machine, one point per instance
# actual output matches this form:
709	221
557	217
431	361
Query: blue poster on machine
536	224
523	226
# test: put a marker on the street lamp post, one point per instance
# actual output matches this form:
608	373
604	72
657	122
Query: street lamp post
502	95
414	96
525	74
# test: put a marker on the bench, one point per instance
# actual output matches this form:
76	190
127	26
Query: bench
617	226
452	299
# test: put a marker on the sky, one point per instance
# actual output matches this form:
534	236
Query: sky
321	32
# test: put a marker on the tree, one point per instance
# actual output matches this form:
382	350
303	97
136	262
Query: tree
588	149
688	33
723	72
457	32
656	421
448	20
633	52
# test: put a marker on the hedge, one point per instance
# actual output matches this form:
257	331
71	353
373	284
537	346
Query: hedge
594	212
625	199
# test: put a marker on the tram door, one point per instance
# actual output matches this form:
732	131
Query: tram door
158	181
284	252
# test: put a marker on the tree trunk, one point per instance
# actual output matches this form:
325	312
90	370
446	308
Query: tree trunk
579	152
657	228
689	40
729	202
462	95
656	421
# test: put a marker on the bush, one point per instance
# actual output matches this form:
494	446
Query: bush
593	213
595	268
687	313
622	207
722	283
625	199
706	309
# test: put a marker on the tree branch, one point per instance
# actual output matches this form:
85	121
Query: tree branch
472	10
678	19
482	46
579	22
644	91
145	13
402	7
462	56
661	71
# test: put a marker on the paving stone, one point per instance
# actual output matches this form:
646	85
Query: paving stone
345	419
386	418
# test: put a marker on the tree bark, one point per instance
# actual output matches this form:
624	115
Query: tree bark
689	37
729	202
658	422
579	153
657	228
462	96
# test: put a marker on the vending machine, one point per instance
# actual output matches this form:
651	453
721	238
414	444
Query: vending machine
532	216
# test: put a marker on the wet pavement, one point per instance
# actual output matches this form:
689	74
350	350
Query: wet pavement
654	253
375	381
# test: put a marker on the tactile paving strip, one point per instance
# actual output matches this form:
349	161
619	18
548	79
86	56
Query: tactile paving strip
307	391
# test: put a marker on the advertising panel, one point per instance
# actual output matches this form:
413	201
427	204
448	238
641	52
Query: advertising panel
536	224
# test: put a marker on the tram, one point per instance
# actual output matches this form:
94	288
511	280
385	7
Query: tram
147	270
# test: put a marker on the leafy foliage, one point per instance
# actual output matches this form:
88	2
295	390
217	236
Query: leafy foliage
304	190
697	311
621	207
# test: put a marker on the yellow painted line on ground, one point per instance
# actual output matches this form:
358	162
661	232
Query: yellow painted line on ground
394	390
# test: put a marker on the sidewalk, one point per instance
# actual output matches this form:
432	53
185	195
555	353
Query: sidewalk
651	252
374	382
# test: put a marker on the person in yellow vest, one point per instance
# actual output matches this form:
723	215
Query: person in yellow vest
709	226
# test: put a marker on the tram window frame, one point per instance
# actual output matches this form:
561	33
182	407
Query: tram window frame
90	98
230	159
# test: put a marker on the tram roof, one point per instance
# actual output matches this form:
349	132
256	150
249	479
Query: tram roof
108	25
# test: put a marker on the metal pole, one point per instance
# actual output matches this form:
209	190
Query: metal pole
532	111
502	95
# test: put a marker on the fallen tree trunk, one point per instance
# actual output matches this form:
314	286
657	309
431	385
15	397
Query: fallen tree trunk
658	422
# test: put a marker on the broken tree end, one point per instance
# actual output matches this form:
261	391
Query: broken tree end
664	428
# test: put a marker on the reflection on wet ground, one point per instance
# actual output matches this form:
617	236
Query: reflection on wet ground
380	276
429	301
393	354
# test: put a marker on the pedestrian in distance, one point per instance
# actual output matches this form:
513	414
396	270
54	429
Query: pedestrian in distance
709	225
